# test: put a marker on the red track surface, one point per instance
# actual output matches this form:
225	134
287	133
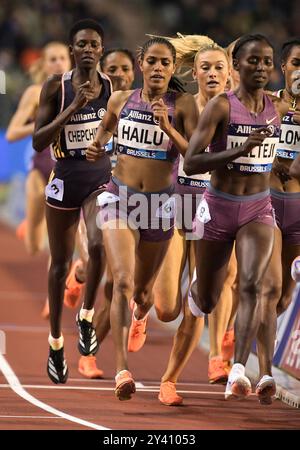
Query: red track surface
22	294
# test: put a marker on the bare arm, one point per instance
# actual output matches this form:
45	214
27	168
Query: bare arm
18	127
214	115
186	120
48	123
108	125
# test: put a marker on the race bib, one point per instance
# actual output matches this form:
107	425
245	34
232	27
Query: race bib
107	197
203	212
167	210
55	189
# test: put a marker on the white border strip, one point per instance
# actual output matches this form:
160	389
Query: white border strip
16	386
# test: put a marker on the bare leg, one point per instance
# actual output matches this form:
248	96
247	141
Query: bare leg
35	212
167	286
212	258
62	226
185	341
271	294
120	248
254	245
219	318
95	264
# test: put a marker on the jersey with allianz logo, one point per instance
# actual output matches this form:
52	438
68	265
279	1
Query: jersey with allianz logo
288	146
241	123
139	134
80	130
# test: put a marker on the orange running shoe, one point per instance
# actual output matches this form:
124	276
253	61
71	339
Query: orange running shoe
125	385
73	289
137	331
228	345
21	230
168	395
216	371
88	368
45	311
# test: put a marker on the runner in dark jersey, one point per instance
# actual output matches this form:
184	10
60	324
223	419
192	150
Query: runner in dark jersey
71	108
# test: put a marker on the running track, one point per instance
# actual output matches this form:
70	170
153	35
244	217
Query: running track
28	399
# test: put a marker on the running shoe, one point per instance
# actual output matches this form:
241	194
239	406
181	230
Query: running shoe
217	374
125	385
57	368
88	368
137	331
237	388
227	349
265	390
74	288
88	344
168	395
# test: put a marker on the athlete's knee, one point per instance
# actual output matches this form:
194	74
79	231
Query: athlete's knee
167	314
59	269
95	249
272	291
123	283
250	285
206	302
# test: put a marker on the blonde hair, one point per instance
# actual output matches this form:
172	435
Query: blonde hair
36	70
187	46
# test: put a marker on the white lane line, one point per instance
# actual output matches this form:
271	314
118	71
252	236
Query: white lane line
154	383
92	388
16	386
30	417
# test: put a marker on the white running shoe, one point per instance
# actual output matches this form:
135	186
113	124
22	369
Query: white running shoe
265	390
237	388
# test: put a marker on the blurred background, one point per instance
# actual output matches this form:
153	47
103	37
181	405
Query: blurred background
27	25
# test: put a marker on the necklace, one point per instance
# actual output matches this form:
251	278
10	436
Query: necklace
292	99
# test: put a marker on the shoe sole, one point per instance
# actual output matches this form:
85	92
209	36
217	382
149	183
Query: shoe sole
240	390
178	403
90	377
55	381
125	390
220	380
266	393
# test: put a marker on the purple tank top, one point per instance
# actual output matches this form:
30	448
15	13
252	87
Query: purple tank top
241	123
139	135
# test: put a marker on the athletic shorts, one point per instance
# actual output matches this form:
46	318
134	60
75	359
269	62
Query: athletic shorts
151	213
287	214
220	216
187	201
72	181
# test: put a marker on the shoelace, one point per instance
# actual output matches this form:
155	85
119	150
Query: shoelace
137	328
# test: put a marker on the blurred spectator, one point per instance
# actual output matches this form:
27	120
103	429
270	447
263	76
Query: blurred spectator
26	26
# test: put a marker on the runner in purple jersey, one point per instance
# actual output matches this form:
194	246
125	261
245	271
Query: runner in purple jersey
242	128
151	124
285	194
